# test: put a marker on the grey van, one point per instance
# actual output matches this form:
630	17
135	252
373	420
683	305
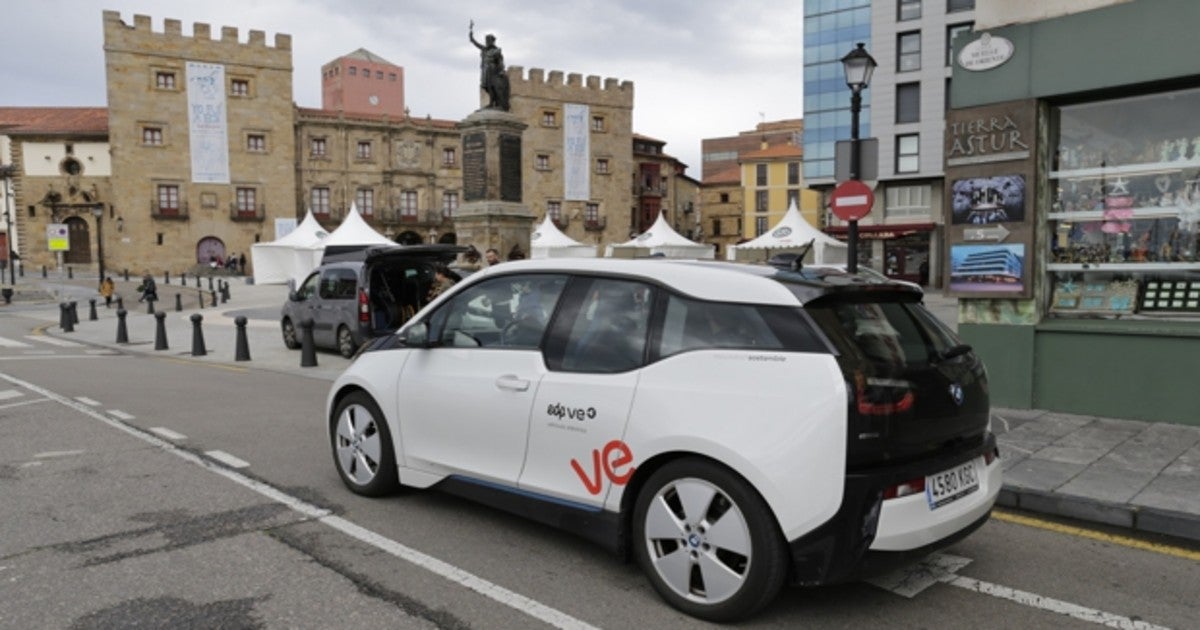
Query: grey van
358	294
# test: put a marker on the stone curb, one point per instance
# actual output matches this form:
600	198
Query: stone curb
1137	518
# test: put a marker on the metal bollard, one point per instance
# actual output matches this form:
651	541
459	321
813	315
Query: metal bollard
74	312
64	318
43	271
160	330
70	273
178	302
126	271
197	281
120	303
214	298
92	310
183	279
200	295
166	277
242	351
210	283
308	351
197	336
122	331
224	292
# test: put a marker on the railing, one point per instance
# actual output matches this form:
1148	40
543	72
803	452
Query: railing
176	213
257	212
595	225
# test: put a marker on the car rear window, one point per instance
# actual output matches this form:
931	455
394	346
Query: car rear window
893	333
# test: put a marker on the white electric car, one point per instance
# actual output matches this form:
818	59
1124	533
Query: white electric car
732	427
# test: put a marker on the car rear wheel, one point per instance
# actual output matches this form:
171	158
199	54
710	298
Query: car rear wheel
289	335
362	447
345	342
707	541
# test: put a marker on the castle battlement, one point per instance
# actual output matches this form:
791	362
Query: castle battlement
558	85
119	36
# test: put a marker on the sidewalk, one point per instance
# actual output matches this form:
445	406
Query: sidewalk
1136	475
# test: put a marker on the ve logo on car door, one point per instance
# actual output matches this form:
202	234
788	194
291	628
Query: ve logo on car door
617	469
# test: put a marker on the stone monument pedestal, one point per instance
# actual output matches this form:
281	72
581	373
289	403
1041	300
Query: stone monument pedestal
492	214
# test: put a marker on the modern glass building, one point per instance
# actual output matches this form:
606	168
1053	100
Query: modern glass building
831	29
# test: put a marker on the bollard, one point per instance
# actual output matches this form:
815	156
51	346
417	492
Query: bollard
242	351
197	336
308	351
92	310
74	313
120	303
183	279
149	305
43	271
178	303
201	296
214	298
126	275
122	332
210	283
64	318
160	330
224	292
166	277
70	273
197	281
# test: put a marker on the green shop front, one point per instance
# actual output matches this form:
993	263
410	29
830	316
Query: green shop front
1073	174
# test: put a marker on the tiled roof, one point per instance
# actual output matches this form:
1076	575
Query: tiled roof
777	151
366	55
727	175
333	114
58	121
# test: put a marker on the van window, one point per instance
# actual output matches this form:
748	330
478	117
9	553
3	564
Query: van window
338	284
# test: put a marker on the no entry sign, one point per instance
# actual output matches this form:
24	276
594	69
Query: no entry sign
851	200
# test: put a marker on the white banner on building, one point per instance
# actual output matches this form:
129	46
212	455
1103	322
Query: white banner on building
207	132
576	153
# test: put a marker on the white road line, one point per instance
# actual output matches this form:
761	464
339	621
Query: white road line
488	589
121	415
87	401
169	434
54	341
12	343
1049	604
23	403
10	394
227	459
49	454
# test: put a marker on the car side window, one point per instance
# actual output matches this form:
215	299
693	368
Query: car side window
607	329
694	324
504	312
338	284
309	288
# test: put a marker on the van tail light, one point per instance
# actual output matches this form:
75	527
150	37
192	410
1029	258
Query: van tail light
882	396
912	486
363	315
991	456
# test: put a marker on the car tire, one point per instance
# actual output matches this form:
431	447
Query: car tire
345	342
362	447
289	334
707	541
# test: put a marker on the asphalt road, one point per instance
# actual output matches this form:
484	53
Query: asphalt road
118	511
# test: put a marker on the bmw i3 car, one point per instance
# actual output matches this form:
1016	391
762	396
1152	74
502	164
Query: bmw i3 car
732	428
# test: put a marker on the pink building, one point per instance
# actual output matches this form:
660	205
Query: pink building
363	83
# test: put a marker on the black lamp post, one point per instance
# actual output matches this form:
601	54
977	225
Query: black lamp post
98	212
858	65
7	172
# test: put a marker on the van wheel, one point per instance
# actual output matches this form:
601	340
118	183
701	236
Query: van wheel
707	541
345	342
362	447
289	335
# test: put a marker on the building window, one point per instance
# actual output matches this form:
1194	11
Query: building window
364	199
364	150
716	227
391	76
449	204
597	123
353	71
152	136
793	177
554	210
379	74
760	174
602	166
908	153
164	80
908	102
760	226
953	6
591	213
449	157
239	87
953	31
247	204
168	199
907	201
317	147
408	205
256	142
320	201
908	10
549	118
542	162
724	197
908	51
793	197
760	201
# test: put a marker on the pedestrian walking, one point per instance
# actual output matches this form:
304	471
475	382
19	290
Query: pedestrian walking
107	287
148	288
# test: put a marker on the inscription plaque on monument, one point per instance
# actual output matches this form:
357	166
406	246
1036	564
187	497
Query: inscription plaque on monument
475	167
510	168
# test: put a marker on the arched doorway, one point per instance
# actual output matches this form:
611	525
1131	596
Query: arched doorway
408	237
80	239
449	238
210	248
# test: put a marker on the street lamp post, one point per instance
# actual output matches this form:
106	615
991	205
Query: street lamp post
858	65
7	172
98	212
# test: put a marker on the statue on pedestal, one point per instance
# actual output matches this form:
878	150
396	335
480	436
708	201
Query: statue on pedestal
492	76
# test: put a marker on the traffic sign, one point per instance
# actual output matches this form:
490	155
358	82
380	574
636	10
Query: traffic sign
852	200
57	237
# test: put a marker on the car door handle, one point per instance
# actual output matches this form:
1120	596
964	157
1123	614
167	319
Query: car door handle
512	383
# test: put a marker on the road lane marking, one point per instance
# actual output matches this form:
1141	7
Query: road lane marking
121	415
1091	534
12	343
23	403
227	459
169	434
54	341
490	590
51	454
911	580
9	394
87	401
1050	604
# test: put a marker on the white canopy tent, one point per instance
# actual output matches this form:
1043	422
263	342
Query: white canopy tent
791	234
660	239
354	233
291	256
547	241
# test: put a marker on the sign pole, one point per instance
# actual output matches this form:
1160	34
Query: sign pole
855	164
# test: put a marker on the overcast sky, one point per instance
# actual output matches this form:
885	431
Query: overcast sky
701	68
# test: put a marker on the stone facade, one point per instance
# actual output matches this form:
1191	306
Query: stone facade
151	149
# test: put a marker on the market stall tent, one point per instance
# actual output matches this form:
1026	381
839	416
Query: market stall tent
660	240
353	235
791	234
291	256
547	241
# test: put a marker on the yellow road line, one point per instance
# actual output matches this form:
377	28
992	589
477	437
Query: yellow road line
1125	541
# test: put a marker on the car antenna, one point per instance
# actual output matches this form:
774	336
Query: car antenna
798	261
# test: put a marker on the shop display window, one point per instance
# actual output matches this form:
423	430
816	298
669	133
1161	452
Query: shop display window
1125	193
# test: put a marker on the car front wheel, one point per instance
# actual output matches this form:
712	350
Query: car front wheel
362	447
289	335
707	541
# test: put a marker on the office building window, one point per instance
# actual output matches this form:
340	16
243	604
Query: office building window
908	51
953	6
908	102
908	10
760	200
449	204
793	177
760	226
364	150
907	201
760	174
319	200
152	136
408	205
364	198
317	147
908	153
953	31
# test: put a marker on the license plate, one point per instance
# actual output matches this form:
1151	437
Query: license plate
951	485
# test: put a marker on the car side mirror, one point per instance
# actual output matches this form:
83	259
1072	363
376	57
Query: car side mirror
293	296
416	336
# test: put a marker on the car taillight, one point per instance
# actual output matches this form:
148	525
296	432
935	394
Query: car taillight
363	315
912	486
882	396
991	456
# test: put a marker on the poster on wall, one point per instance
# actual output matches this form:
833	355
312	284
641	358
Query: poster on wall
984	200
208	133
987	268
576	153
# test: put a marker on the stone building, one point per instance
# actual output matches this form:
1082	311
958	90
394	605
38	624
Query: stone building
363	83
202	138
661	186
721	199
